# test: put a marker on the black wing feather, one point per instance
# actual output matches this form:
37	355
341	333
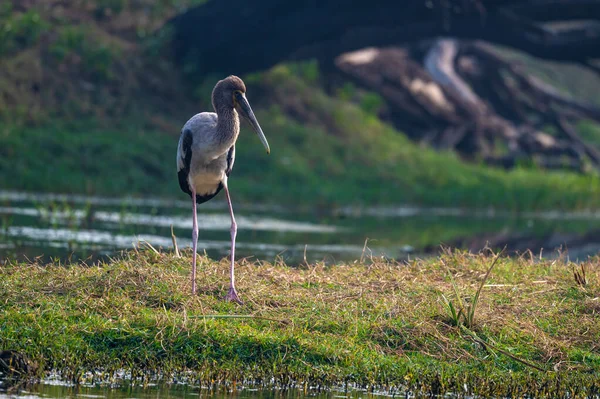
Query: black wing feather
183	173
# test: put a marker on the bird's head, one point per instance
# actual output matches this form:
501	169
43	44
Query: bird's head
231	93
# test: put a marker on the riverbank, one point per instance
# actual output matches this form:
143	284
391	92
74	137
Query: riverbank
344	155
370	323
71	121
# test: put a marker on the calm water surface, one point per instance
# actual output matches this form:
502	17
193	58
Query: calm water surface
57	389
79	227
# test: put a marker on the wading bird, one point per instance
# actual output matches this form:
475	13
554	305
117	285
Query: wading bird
205	156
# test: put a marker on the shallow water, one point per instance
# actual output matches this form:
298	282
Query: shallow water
58	389
80	227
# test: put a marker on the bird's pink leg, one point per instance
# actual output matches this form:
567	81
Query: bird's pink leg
194	240
232	294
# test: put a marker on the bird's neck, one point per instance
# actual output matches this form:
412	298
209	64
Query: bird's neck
228	126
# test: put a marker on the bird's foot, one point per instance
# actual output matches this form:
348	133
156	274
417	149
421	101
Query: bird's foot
232	296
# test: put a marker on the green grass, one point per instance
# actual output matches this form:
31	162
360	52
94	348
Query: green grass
87	159
342	155
372	324
589	132
462	313
19	31
118	135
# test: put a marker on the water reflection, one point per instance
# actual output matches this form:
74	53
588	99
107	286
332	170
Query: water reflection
60	238
53	386
68	226
58	389
411	211
83	227
206	221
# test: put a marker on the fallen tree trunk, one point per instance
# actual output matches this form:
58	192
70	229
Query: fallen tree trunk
498	125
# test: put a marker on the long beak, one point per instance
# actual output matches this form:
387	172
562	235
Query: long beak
246	111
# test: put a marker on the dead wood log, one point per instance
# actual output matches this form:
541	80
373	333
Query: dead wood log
530	84
419	103
540	99
578	143
446	92
439	63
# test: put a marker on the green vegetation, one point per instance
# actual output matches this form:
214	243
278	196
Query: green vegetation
341	155
97	58
569	78
534	332
84	159
463	313
590	132
64	61
105	119
19	31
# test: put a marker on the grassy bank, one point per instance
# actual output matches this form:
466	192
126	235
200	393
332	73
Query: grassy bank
89	104
372	323
339	154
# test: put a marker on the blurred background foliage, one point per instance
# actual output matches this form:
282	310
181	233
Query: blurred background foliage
92	102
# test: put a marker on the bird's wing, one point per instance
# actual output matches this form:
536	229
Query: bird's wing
230	160
184	159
